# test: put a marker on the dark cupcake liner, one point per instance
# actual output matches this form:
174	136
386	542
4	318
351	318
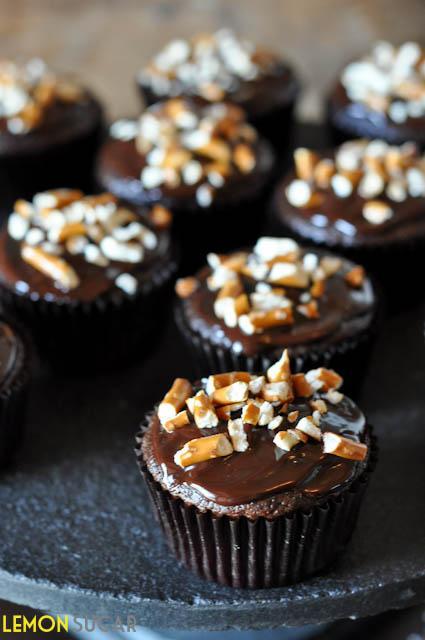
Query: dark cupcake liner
13	402
114	329
219	229
350	356
277	126
262	553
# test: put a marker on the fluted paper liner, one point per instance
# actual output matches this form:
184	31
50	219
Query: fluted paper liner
261	553
13	403
109	330
350	356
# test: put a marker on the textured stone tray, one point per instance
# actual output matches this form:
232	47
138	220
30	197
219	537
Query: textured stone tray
77	534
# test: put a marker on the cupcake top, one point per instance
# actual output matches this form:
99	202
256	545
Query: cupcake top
279	294
189	151
218	66
66	245
257	445
36	105
389	80
363	192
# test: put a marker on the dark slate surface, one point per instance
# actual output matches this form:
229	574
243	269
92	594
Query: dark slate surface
77	535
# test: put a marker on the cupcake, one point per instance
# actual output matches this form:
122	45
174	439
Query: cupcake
49	130
14	377
241	310
381	95
257	479
366	199
219	67
204	161
86	275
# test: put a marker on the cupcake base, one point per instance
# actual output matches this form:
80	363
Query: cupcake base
261	553
350	357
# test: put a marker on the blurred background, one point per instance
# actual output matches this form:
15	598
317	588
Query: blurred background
108	40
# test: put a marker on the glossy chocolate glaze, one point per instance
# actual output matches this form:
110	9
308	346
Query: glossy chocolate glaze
63	122
9	352
343	312
119	166
342	222
357	119
264	474
258	97
95	281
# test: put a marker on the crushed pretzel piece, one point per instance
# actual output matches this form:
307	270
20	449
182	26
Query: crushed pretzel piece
309	310
180	420
302	437
257	321
235	392
334	396
256	384
52	266
305	163
202	449
224	412
251	413
160	216
355	277
286	440
277	391
293	416
237	435
186	286
308	426
174	400
280	370
324	379
220	380
343	447
319	405
203	411
302	388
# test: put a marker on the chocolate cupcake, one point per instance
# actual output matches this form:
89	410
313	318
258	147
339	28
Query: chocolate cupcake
257	479
220	67
86	275
49	131
14	377
382	95
366	199
240	312
203	161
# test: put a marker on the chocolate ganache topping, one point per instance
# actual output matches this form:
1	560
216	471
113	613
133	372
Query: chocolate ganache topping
65	245
365	192
187	151
279	295
217	66
277	439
